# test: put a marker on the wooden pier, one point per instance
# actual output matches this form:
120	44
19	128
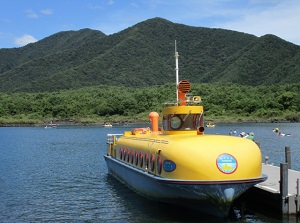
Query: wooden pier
280	192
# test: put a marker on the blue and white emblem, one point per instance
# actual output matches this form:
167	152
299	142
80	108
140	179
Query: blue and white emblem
226	163
169	165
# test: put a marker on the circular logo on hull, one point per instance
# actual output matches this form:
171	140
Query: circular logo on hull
169	165
226	163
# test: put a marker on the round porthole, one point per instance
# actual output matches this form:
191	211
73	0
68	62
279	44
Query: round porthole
176	122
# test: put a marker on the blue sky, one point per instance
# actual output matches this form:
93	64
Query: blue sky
26	21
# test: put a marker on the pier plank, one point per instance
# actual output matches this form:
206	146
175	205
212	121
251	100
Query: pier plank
272	183
267	194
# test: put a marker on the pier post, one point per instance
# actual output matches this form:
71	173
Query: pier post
284	188
297	198
288	156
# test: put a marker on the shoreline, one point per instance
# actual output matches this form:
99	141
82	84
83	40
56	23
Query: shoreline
120	123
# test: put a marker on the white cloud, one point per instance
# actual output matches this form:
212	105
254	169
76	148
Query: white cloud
31	14
24	40
281	20
46	11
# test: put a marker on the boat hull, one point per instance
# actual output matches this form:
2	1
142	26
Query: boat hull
212	197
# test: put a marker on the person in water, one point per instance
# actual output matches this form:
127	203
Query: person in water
248	135
232	132
243	134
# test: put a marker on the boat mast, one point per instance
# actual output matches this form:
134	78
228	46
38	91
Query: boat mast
177	70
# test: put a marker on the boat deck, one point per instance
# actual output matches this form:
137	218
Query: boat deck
272	183
270	195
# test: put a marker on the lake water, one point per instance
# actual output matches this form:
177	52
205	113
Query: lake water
59	175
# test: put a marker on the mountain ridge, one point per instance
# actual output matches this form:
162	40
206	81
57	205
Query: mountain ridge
143	55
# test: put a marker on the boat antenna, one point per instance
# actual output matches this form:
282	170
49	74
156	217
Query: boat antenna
176	69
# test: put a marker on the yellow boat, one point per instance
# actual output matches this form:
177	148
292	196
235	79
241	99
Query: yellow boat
179	164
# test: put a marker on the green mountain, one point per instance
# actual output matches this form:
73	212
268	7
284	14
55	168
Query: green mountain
143	55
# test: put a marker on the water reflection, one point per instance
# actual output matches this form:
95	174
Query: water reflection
146	210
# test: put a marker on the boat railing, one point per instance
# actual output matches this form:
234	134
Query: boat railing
190	100
111	143
173	103
113	138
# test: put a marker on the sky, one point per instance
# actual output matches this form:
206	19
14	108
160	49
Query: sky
28	21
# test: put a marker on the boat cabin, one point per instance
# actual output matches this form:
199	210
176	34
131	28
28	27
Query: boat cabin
185	116
180	120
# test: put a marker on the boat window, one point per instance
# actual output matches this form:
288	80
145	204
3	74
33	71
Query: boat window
165	122
176	122
189	123
182	122
198	120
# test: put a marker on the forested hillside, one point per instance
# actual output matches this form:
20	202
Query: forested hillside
222	103
143	55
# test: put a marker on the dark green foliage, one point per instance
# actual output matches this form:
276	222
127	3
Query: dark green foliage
87	75
142	55
221	102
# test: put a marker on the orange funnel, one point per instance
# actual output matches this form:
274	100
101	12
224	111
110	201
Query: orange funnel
183	88
153	117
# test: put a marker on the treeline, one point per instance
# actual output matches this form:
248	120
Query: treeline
222	102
